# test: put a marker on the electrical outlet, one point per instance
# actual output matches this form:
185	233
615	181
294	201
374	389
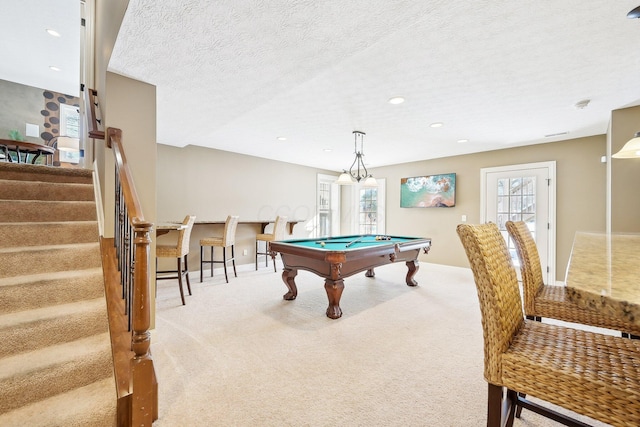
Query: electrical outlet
245	252
464	218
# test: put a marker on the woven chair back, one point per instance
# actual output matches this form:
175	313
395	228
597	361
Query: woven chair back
229	237
530	268
498	292
185	235
279	228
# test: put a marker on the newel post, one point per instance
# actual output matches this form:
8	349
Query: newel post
144	404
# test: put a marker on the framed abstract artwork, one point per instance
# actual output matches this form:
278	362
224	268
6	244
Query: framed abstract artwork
428	191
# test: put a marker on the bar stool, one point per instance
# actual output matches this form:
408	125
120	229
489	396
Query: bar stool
179	251
278	234
228	239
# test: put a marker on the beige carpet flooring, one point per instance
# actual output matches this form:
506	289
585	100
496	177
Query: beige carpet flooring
239	355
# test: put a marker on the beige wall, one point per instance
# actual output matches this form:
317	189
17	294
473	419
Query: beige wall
581	184
132	108
108	19
625	173
20	105
212	184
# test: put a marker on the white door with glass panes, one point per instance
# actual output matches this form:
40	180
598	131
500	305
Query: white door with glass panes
367	206
523	193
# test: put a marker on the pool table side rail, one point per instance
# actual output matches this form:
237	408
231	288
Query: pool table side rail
350	238
319	260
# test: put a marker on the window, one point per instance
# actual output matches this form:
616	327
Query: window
368	211
516	202
69	121
69	142
324	209
327	219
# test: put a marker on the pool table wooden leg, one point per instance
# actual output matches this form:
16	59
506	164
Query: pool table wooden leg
334	290
288	276
413	269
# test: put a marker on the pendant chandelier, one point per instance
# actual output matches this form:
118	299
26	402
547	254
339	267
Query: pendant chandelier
358	170
631	149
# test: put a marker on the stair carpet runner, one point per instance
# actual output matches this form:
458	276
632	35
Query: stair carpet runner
56	365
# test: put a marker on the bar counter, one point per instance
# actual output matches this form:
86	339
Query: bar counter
604	274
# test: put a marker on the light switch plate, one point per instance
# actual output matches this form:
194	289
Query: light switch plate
32	130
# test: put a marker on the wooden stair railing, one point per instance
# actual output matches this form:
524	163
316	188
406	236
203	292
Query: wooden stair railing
134	263
137	383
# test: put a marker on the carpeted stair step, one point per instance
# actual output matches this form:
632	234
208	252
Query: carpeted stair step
47	233
27	172
50	325
26	292
29	377
56	361
41	259
35	190
92	405
46	211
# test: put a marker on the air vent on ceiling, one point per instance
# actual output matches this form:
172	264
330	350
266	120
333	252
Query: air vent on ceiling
552	135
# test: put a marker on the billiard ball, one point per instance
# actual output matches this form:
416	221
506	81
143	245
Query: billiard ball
322	244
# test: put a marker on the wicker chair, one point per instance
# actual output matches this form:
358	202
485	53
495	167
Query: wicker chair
278	234
592	374
550	301
228	239
179	251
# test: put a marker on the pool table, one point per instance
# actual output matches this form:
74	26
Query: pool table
335	258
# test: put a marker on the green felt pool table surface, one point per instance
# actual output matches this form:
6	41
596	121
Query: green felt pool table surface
353	242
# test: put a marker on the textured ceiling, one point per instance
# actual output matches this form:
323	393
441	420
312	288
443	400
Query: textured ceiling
235	75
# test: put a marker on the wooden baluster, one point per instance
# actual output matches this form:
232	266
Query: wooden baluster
144	402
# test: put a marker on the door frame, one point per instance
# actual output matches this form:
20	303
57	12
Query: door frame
551	242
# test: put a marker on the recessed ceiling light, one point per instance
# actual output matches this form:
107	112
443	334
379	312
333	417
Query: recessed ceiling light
462	141
52	32
396	100
436	124
327	150
281	138
54	68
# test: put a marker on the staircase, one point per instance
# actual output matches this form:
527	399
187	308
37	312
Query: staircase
56	364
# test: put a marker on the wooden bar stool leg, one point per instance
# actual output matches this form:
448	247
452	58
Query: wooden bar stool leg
512	402
201	261
494	406
224	263
180	280
233	260
273	258
211	261
186	273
